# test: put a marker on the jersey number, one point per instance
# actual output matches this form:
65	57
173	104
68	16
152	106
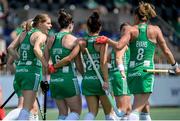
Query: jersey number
90	66
24	55
57	58
140	54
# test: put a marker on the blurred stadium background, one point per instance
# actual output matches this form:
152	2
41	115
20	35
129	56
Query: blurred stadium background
166	97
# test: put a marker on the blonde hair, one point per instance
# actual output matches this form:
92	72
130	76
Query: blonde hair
145	11
27	25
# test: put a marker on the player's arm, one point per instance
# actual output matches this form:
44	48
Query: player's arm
38	42
12	49
124	40
66	60
50	41
82	44
79	64
10	65
162	43
119	61
103	64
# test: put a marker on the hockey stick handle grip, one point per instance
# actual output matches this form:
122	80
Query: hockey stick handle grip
159	71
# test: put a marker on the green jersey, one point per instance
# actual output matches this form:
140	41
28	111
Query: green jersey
27	55
29	68
91	84
141	57
113	66
63	83
19	30
119	85
58	52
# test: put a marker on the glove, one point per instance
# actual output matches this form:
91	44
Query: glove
101	39
44	86
51	69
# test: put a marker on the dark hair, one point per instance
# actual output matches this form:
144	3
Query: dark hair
123	25
145	11
64	19
40	18
94	23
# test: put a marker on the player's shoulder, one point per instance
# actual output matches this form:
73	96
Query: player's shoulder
154	27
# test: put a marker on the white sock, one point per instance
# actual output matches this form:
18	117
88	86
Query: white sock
134	115
89	116
31	117
61	117
145	116
13	115
109	117
24	114
120	114
36	117
124	118
73	116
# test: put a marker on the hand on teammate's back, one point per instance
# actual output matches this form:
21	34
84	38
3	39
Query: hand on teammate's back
51	69
101	39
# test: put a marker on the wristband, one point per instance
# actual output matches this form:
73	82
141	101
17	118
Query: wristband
109	65
174	66
120	67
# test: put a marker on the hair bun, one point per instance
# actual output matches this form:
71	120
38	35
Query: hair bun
62	12
95	15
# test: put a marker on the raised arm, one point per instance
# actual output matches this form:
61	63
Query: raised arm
124	40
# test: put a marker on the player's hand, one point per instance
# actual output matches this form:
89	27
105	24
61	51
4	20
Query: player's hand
11	68
51	69
105	86
123	75
101	40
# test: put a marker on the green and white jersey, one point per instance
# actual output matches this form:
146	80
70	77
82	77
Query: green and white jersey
141	57
119	85
63	83
58	52
27	55
126	59
95	56
91	84
19	30
113	66
142	53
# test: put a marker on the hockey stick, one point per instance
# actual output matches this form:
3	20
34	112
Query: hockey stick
45	88
160	71
108	94
2	106
39	107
